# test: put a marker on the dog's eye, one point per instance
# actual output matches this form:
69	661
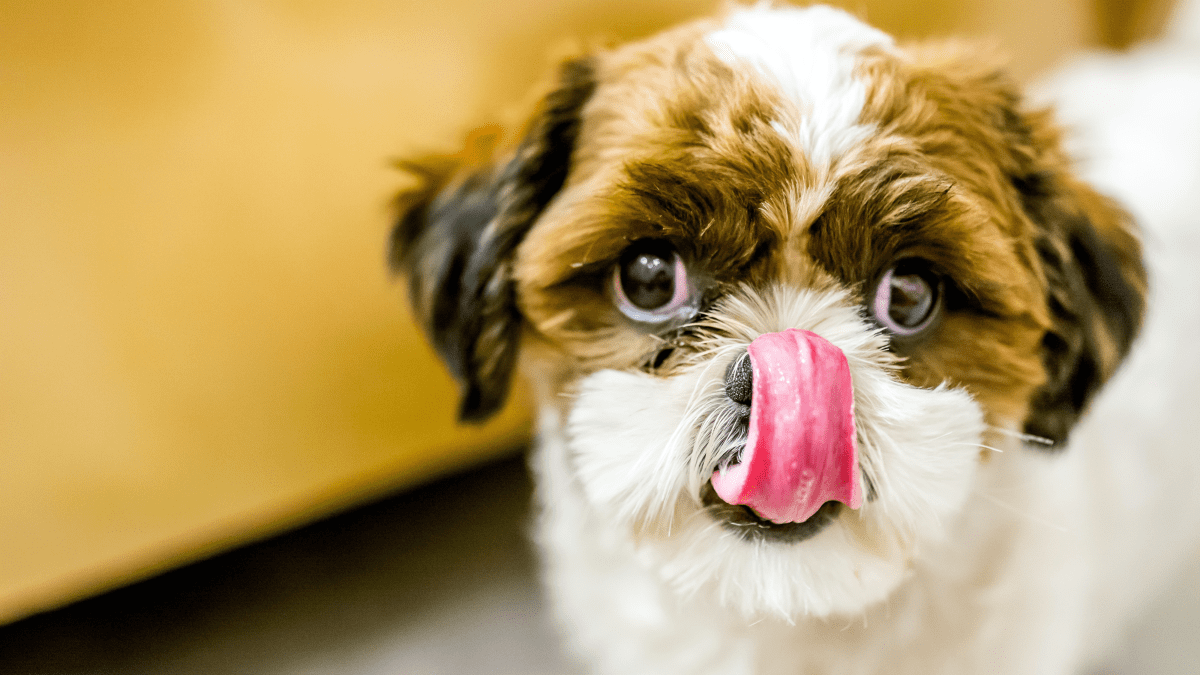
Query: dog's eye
651	285
908	298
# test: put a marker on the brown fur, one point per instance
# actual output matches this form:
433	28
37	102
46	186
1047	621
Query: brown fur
960	112
1044	280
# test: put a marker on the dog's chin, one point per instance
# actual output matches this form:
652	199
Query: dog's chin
632	444
750	526
836	563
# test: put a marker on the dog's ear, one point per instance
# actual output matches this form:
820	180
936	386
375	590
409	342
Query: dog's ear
1091	260
457	233
1090	256
1086	248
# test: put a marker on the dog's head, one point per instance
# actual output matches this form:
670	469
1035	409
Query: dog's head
698	226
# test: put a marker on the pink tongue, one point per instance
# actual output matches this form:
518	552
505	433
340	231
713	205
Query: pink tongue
801	450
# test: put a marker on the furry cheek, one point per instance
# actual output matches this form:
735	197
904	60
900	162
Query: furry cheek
630	441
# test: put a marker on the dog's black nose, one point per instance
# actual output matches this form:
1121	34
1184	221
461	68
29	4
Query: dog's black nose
739	380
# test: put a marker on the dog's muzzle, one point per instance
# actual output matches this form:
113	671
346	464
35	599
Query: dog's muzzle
801	451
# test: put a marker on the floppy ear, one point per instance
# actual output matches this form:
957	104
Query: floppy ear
1086	250
457	233
1096	288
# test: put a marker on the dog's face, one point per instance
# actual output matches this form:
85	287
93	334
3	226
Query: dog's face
677	199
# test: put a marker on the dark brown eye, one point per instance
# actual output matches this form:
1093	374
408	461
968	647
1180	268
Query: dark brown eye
907	299
651	283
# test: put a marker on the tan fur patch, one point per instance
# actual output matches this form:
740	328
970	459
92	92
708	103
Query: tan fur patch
952	109
699	165
675	144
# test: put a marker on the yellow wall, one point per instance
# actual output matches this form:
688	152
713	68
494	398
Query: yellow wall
199	342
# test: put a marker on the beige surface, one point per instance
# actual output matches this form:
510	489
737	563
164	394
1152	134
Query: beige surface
198	339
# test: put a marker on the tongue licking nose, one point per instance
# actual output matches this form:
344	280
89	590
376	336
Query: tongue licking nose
801	450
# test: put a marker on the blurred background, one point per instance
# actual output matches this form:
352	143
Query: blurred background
201	347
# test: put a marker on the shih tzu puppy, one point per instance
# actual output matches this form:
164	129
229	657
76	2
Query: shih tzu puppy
809	317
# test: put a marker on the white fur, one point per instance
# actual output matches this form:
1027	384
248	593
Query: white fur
1132	122
620	481
810	55
1026	563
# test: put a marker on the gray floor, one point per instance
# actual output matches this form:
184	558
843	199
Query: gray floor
439	580
436	580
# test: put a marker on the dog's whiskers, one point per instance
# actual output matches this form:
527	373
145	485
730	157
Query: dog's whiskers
1027	438
982	446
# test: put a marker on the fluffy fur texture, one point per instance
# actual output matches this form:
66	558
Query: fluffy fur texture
787	158
637	459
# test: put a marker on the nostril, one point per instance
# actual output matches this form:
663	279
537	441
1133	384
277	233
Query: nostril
739	380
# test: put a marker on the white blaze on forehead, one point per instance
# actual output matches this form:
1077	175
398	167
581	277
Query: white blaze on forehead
810	55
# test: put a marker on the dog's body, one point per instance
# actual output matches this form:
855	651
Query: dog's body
791	180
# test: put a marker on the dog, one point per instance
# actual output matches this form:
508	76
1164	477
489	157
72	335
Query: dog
810	319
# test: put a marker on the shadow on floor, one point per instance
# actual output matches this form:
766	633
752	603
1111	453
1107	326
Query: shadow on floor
441	579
